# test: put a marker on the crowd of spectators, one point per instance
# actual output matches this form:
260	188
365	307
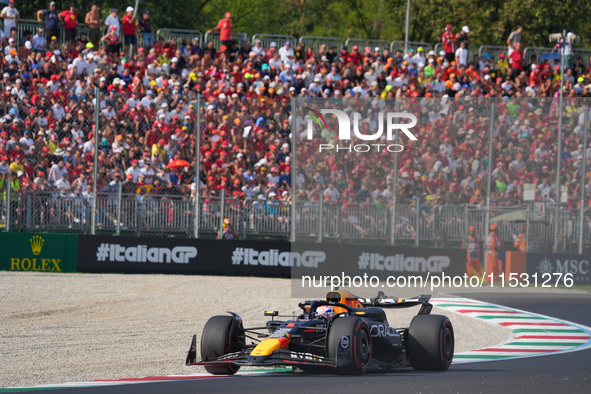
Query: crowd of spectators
146	137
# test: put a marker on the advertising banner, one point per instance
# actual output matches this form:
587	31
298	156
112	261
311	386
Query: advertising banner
38	252
353	266
551	267
259	258
182	256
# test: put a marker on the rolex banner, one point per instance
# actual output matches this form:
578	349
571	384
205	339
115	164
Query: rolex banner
39	252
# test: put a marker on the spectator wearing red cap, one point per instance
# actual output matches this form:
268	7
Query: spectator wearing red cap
158	148
113	41
355	57
134	170
225	28
503	65
4	165
448	39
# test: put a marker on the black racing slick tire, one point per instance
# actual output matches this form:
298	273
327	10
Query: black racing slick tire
358	356
430	343
218	339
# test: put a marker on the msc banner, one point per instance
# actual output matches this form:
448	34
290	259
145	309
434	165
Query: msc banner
38	252
258	258
546	264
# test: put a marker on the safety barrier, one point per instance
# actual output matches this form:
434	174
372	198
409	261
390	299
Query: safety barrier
316	43
266	217
181	35
173	215
583	54
214	37
415	45
534	51
267	39
366	42
438	48
56	253
31	25
493	50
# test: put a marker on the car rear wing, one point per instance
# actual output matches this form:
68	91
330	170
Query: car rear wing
384	301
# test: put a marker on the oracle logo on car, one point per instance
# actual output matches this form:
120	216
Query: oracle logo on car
382	330
345	127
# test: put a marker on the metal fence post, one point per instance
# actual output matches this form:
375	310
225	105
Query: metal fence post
320	216
527	224
466	226
559	149
119	195
196	212
583	173
29	213
394	185
418	236
8	204
489	165
222	212
137	217
407	26
97	109
294	167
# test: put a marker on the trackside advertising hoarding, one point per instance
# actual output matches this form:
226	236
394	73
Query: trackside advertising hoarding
180	256
38	252
257	258
552	267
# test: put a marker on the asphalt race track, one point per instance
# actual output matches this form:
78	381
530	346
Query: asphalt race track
560	373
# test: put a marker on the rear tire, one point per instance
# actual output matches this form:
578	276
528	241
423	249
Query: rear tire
357	330
218	339
430	343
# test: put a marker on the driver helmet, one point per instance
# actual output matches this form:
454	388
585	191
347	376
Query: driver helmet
325	312
227	223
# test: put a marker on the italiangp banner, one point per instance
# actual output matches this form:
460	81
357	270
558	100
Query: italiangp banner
39	252
180	256
370	261
550	266
258	258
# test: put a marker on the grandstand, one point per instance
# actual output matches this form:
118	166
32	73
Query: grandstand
232	108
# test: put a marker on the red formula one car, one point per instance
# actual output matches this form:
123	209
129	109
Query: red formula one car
343	333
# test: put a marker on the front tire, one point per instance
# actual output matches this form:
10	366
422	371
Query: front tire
359	344
431	342
218	339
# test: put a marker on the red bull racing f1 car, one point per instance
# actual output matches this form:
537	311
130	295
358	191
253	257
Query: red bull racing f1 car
343	333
